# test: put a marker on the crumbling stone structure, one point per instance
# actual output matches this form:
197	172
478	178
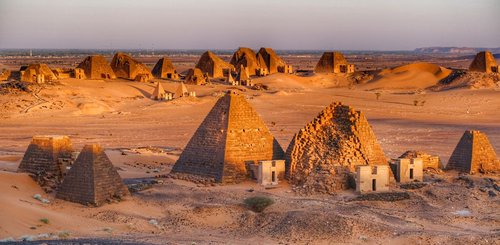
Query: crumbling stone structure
61	73
267	58
247	58
372	179
4	75
195	76
243	77
165	69
408	170
230	137
213	65
484	62
95	67
37	73
79	73
269	172
429	161
126	67
47	159
322	156
333	62
474	154
92	180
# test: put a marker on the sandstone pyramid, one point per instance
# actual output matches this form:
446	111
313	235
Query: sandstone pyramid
267	58
243	74
92	179
247	58
164	69
474	154
231	135
195	76
159	93
46	160
484	62
213	65
126	67
333	62
322	155
181	90
37	73
230	79
96	67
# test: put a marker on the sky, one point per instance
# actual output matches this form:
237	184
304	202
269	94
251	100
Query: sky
228	24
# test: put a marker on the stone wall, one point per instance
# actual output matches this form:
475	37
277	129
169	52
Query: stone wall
429	161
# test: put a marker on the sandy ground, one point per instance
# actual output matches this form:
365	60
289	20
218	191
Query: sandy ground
120	116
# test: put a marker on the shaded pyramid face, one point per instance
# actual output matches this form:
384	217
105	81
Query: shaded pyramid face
484	62
247	58
92	179
96	67
212	65
163	67
159	92
266	57
474	154
231	135
321	155
328	62
125	66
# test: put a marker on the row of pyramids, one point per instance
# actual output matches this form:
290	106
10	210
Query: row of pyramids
91	179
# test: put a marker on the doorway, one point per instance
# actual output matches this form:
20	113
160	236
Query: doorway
411	173
273	176
374	185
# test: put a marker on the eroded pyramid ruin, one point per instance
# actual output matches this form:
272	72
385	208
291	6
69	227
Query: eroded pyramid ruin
267	58
231	135
46	160
195	76
126	67
245	57
484	62
92	179
164	69
322	155
213	65
474	154
37	73
96	67
333	62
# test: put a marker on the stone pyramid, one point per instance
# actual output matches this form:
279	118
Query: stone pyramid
181	90
474	154
30	73
164	69
229	79
322	155
92	179
330	62
267	58
484	62
195	76
96	67
213	65
126	67
46	160
245	57
230	136
158	93
243	74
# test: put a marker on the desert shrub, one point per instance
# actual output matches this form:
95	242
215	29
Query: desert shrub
44	220
259	203
378	94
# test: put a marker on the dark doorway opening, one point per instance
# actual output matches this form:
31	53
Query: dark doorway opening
273	176
411	173
374	185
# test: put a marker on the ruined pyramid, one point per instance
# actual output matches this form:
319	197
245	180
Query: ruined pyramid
333	62
484	62
164	69
243	74
267	58
46	160
474	154
195	76
32	71
322	155
245	57
92	179
126	67
181	90
96	67
231	135
213	65
159	93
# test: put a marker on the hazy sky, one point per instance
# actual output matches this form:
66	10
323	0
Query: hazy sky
227	24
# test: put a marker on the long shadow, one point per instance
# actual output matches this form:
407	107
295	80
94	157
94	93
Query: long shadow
143	92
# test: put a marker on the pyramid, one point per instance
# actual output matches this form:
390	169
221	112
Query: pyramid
428	161
96	67
126	67
92	179
32	71
195	76
332	62
247	58
181	90
243	74
46	160
4	75
484	62
474	154
164	69
322	155
267	58
159	93
231	135
213	65
230	79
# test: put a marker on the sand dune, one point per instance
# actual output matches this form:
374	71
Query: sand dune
407	77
